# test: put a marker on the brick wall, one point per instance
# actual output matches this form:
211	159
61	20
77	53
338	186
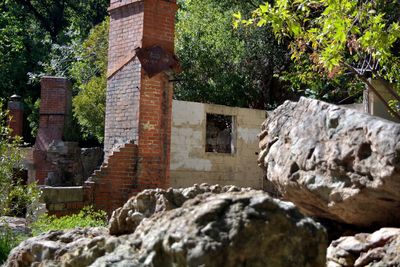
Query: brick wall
54	108
159	23
138	107
156	99
126	30
138	113
111	185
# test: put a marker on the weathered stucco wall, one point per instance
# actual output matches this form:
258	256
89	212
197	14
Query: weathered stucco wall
375	106
190	163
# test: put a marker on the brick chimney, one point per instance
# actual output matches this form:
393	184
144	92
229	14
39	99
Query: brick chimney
139	96
16	113
55	105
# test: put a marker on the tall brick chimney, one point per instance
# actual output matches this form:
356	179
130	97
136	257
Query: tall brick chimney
139	99
139	102
55	105
16	114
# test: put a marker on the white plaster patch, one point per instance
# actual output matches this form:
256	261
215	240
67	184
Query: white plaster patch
187	113
184	141
148	126
194	164
248	135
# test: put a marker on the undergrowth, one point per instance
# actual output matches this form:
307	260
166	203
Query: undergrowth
87	217
8	241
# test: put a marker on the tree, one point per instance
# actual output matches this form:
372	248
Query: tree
28	30
89	73
55	16
337	37
36	38
224	66
22	45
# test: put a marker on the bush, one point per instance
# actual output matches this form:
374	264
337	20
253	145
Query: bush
90	76
87	217
8	241
15	197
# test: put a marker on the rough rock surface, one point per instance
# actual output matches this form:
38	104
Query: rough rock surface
16	225
77	247
334	162
379	249
227	229
125	220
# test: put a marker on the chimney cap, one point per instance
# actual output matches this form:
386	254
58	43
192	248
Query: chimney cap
15	98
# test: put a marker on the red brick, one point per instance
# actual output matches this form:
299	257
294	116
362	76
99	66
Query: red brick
134	101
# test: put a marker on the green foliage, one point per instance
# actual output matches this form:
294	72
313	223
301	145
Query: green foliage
14	196
89	73
8	240
33	116
87	217
333	37
54	16
10	159
20	197
85	63
30	29
22	45
221	65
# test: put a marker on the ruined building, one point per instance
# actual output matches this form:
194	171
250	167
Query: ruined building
150	141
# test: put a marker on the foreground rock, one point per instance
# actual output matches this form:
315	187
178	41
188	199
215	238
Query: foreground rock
77	247
227	229
379	249
125	220
16	225
334	162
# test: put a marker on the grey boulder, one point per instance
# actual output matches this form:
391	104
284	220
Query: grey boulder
334	162
124	220
380	249
73	248
228	229
245	228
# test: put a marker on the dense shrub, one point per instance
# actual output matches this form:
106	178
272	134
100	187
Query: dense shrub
15	196
8	240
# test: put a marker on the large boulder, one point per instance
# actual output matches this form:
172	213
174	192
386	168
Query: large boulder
379	249
247	228
334	162
78	247
228	229
124	220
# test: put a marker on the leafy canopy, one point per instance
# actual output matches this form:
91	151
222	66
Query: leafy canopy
334	36
221	65
89	73
334	31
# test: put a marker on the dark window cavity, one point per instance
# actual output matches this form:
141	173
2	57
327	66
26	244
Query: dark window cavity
219	134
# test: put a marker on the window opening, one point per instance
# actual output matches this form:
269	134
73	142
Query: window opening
219	134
